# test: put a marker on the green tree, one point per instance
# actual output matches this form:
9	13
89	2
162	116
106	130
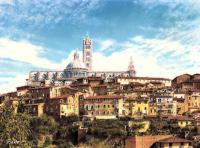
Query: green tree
44	125
14	128
134	129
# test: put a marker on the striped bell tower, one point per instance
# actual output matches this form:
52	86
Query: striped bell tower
87	53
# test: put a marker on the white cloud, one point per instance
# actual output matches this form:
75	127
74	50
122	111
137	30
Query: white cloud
152	57
18	80
106	44
25	52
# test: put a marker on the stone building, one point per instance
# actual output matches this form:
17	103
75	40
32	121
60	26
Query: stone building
76	69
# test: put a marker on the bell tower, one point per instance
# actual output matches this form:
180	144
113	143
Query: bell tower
131	68
87	53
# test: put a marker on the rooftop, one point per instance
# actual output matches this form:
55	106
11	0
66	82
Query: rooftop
105	97
173	140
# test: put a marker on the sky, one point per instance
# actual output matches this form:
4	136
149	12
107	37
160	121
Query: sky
162	36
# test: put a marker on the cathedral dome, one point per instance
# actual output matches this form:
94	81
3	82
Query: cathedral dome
76	63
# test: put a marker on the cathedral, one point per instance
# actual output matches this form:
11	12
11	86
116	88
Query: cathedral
77	69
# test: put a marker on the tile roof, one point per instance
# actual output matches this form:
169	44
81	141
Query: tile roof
147	78
105	97
173	140
181	118
61	97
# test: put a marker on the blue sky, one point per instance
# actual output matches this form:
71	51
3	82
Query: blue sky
162	36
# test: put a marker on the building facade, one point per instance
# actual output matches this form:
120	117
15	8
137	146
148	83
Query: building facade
104	107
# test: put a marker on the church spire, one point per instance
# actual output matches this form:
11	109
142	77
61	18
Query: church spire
76	55
131	68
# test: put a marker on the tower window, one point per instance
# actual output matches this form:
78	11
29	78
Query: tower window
87	46
87	53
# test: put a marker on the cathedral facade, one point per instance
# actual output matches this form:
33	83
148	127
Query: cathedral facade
77	69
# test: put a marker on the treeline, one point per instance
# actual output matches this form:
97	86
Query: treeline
28	131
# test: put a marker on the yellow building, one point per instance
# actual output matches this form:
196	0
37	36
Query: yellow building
193	101
140	106
61	90
152	109
64	105
36	109
182	106
104	106
128	103
162	105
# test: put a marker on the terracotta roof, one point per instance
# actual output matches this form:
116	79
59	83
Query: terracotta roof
105	97
154	82
130	98
1	95
136	83
196	111
147	78
41	87
61	97
14	99
173	140
25	86
181	118
103	85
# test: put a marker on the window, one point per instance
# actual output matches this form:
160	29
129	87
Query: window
104	106
86	107
87	59
87	46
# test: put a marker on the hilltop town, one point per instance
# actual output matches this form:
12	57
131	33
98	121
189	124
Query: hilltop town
118	108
